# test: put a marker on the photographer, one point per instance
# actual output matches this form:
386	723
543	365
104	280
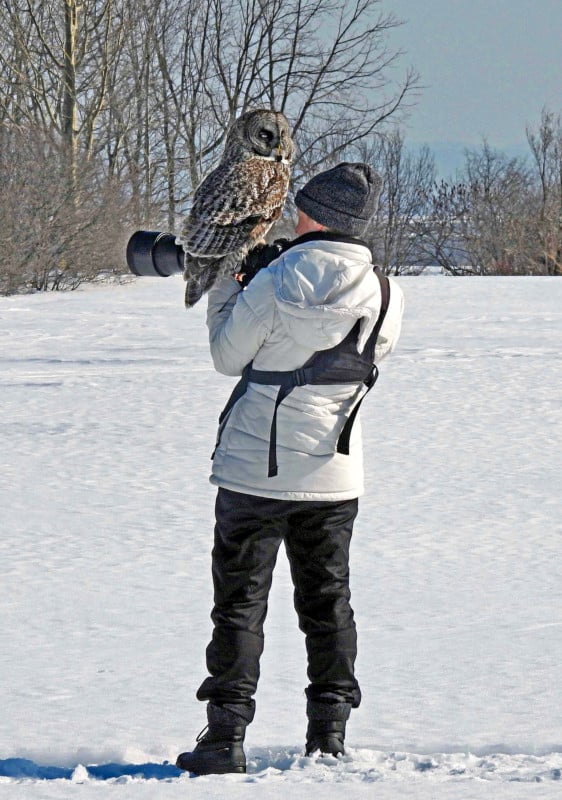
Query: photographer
288	461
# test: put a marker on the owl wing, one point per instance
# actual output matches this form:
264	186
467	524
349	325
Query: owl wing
234	207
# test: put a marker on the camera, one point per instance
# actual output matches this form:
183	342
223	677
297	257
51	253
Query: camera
154	253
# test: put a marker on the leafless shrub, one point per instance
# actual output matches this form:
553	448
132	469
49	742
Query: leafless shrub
52	238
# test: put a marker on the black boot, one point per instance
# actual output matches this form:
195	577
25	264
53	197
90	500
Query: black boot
219	747
326	728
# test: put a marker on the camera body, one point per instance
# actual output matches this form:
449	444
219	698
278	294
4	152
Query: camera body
155	254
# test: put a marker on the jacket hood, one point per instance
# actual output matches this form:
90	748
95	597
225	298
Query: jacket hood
322	285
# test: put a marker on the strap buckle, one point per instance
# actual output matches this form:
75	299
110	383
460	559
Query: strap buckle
300	377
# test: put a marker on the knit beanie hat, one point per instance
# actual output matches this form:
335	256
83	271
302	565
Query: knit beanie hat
344	198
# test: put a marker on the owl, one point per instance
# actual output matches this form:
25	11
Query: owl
238	202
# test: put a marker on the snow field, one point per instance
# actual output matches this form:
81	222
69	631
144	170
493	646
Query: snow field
109	409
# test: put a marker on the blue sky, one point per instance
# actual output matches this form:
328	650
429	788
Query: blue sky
489	67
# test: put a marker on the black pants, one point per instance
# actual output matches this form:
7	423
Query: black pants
248	533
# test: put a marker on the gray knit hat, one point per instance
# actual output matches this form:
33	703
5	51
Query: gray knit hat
344	198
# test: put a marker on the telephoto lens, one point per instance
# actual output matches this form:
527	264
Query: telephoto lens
154	253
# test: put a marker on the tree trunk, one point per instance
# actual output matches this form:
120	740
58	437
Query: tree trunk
69	104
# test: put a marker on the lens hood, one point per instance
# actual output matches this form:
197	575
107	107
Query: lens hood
154	253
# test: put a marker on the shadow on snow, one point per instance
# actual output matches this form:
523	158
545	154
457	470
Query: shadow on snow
24	769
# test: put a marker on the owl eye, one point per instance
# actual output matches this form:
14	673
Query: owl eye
266	136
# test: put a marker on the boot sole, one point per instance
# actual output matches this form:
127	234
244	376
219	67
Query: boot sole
219	771
209	769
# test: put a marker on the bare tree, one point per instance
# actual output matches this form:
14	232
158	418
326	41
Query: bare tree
326	65
443	228
408	178
482	224
546	148
47	241
500	187
139	94
56	69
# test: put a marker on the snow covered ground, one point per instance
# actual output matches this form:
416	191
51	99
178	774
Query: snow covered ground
109	404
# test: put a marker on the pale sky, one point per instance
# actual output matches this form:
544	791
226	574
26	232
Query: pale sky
489	66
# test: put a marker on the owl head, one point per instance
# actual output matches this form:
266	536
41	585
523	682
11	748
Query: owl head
262	133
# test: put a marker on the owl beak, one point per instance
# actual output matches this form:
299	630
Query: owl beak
279	156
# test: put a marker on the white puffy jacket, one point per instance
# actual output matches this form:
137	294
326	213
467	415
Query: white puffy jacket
308	299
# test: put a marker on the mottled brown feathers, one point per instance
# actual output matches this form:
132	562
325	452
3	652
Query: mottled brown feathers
237	203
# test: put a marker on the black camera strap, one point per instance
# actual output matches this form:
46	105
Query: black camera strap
336	365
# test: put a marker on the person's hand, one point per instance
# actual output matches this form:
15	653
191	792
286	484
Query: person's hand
259	257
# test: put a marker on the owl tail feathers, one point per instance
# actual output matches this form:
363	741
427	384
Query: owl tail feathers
201	273
197	285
